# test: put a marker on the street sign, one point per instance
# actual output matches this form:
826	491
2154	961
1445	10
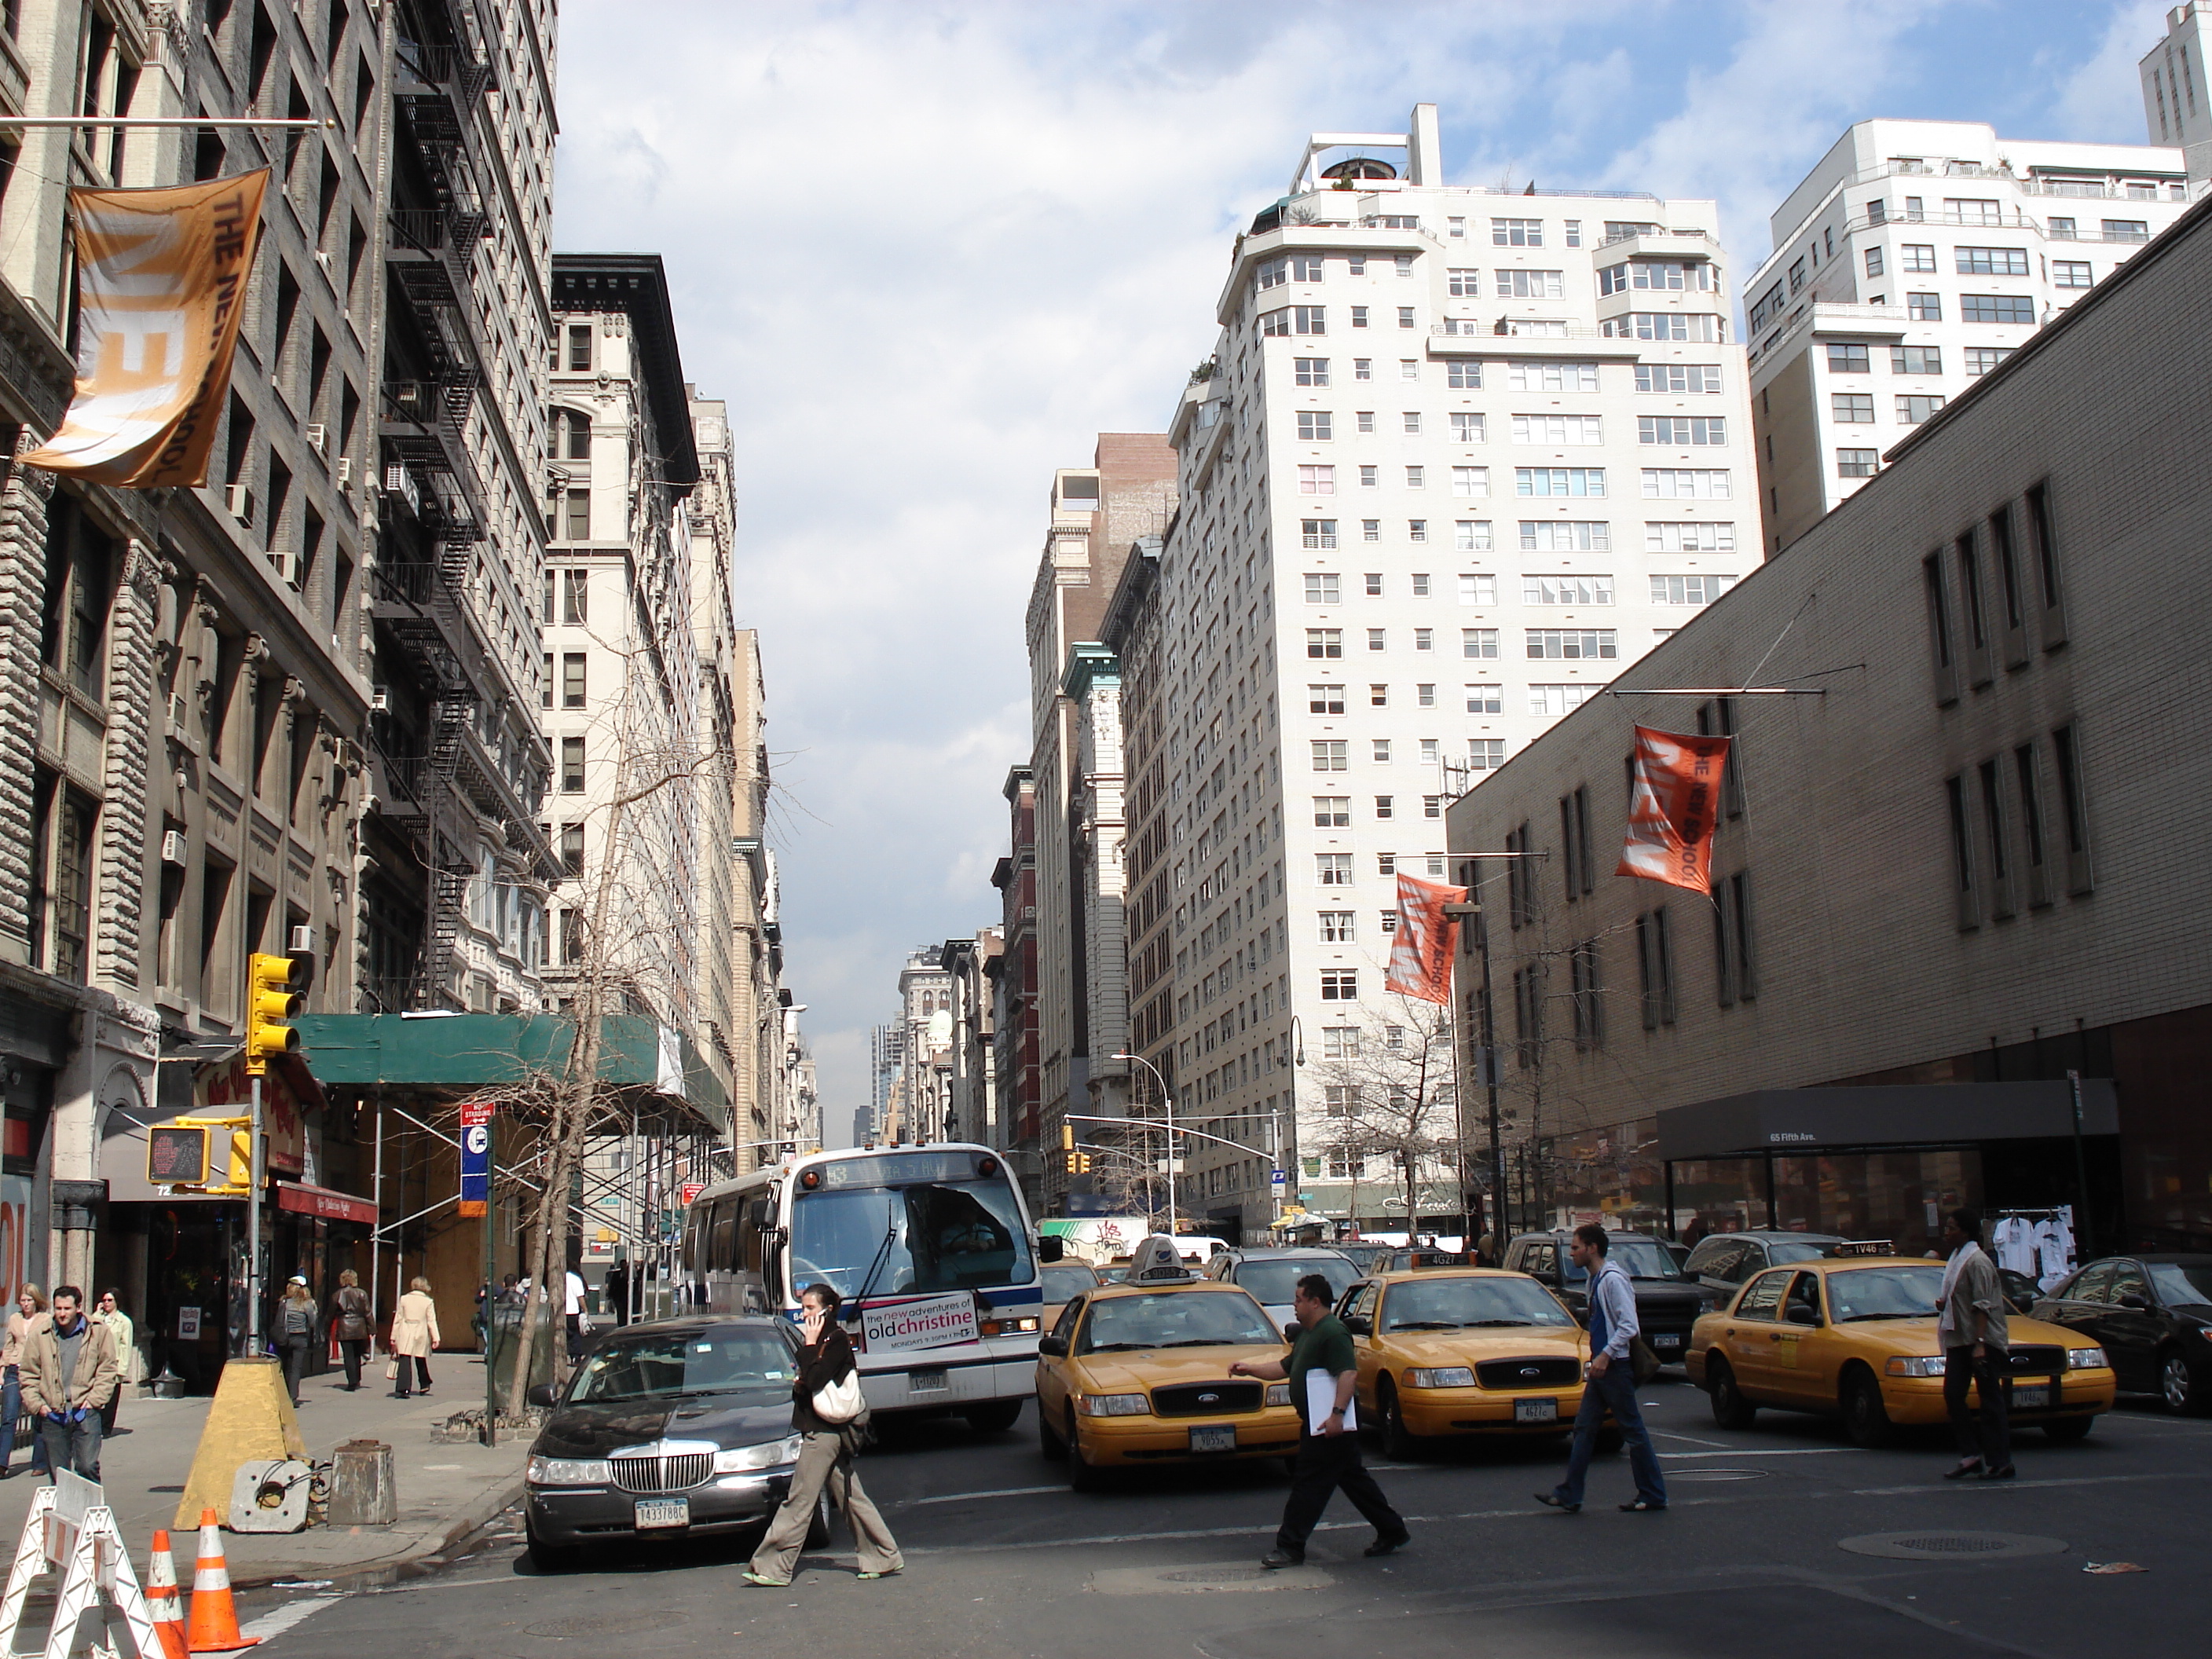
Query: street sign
692	1189
475	1156
1277	1178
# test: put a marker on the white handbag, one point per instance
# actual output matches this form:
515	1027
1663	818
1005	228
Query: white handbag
840	1402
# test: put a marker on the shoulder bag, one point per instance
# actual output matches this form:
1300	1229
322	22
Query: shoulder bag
841	1401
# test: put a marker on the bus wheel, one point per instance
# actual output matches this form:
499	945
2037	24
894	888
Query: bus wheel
993	1416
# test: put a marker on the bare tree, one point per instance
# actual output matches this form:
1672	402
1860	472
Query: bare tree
1389	1092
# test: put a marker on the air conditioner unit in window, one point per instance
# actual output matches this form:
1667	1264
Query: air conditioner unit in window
238	501
318	437
379	698
345	471
300	939
177	706
288	566
172	847
323	259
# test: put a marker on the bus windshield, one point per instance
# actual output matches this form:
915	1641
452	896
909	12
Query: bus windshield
930	1236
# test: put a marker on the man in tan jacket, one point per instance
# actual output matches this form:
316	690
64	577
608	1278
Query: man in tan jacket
70	1370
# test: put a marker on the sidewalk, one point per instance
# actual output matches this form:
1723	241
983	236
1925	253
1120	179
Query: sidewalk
445	1491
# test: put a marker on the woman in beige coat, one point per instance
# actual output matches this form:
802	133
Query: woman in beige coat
413	1333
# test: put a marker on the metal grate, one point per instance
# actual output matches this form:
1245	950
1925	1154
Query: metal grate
1953	1543
1951	1546
1205	1399
1539	1372
652	1474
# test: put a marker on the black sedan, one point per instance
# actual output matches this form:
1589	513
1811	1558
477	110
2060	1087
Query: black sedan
672	1430
2152	1315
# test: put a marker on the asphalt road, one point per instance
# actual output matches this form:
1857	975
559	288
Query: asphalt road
1003	1560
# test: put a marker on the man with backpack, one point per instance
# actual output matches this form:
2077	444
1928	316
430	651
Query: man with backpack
1611	1384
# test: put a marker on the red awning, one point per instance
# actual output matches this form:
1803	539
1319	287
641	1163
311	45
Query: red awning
302	1199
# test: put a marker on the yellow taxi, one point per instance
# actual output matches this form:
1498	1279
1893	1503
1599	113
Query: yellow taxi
1136	1374
1854	1335
1467	1350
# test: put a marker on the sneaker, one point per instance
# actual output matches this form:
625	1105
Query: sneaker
887	1572
765	1581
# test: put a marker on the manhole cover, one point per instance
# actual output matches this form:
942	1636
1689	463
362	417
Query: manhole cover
634	1624
1674	1476
1951	1546
1215	1575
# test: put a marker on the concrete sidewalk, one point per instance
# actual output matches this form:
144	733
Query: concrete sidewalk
445	1491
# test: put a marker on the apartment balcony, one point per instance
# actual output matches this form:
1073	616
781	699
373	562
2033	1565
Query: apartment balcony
1512	336
422	426
438	88
2171	190
1662	245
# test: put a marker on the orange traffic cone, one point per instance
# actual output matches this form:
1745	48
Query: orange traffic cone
161	1600
214	1615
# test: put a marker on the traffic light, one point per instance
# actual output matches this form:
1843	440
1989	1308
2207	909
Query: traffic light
1079	1164
204	1154
276	992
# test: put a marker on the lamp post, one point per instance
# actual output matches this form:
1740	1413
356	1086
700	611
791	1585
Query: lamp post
1471	915
1167	1100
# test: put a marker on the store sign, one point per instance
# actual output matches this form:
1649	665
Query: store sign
301	1199
475	1156
692	1189
932	1321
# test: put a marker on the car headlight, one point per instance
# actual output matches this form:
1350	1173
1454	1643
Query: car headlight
1441	1376
1278	1393
738	1460
2086	1359
1112	1405
566	1472
1915	1365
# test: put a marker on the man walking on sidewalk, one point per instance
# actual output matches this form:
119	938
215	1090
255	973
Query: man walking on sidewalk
1611	1382
1329	1447
70	1369
1970	1323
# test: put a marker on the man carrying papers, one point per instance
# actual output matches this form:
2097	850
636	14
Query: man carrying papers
1322	1370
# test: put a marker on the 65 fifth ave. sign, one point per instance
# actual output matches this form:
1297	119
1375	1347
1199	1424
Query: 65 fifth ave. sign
931	1322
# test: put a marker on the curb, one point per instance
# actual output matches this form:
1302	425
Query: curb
471	1520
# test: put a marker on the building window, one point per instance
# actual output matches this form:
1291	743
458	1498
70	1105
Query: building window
1655	964
1425	695
1385	806
1332	811
1420	584
1470	536
1360	321
1465	429
1916	408
1416	478
1691	380
1992	261
1379	750
1874	262
1341	985
1855	463
1378	696
1471	482
1848	360
545	685
1312	371
576	598
1370	477
1374	582
1517	232
1314	426
1996	308
1330	755
1463	284
1324	700
1539	588
1917	256
1586	995
1480	643
1333	869
1562	429
1322	586
572	766
1316	481
1515	285
2127	230
1324	641
1916	360
1424	638
1551	701
1924	307
1363	368
1704	329
1386	864
1852	408
1337	926
1962	851
1307	268
1559	481
1339	1042
1377	640
1486	754
1538	375
1432	807
572	679
580	347
1370	529
1320	533
1406	321
572	849
1661	537
1689	430
2073	799
1689	590
1686	483
1463	376
1980	359
1573	644
1417	530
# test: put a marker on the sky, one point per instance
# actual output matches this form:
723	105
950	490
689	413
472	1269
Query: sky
928	251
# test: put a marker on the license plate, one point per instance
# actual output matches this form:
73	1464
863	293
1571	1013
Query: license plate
663	1512
927	1382
1666	1342
1219	1440
1535	1411
2029	1397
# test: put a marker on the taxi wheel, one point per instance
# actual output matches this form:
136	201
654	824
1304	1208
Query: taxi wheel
1055	1449
2068	1429
1082	1475
1730	1409
1399	1443
1866	1419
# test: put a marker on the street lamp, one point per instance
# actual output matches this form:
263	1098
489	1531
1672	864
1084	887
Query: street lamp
1167	1100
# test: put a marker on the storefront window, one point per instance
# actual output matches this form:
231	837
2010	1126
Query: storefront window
1609	1175
1897	1196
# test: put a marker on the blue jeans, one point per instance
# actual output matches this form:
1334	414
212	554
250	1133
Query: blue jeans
1615	1391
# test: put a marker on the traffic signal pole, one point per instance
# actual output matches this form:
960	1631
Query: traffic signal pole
253	1228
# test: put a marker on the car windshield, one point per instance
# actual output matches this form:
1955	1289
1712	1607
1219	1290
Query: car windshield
1064	1283
931	1236
1884	1293
1442	1304
2181	1282
1176	1319
1639	1258
1276	1281
721	1360
1779	1250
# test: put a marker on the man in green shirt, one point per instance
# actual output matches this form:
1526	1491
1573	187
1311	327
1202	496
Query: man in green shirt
1329	1448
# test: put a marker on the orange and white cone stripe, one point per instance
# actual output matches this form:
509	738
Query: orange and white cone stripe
163	1605
214	1614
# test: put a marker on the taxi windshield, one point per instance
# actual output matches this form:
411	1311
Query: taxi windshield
1276	1281
1176	1319
1884	1293
721	1360
1451	1304
1639	1258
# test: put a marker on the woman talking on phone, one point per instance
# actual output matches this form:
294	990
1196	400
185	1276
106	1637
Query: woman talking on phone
828	1410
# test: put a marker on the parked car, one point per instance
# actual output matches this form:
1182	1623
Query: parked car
1362	1253
1666	1308
1414	1258
1855	1337
1272	1274
676	1429
2153	1316
1721	1262
1064	1281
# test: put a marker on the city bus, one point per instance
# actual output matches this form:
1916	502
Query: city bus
929	1245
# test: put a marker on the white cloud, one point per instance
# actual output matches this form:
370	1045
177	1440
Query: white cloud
2103	100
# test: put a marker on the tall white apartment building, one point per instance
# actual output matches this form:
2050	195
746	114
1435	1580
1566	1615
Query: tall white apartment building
2176	103
1911	261
1459	456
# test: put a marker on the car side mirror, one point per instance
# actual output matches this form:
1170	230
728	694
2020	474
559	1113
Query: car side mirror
1801	1314
1358	1324
2132	1301
1293	1331
1051	1247
543	1396
1054	1347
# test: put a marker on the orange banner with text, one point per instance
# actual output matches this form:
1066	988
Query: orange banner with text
1671	809
161	277
1421	949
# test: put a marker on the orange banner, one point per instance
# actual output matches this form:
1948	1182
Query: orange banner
161	277
1671	809
1421	950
